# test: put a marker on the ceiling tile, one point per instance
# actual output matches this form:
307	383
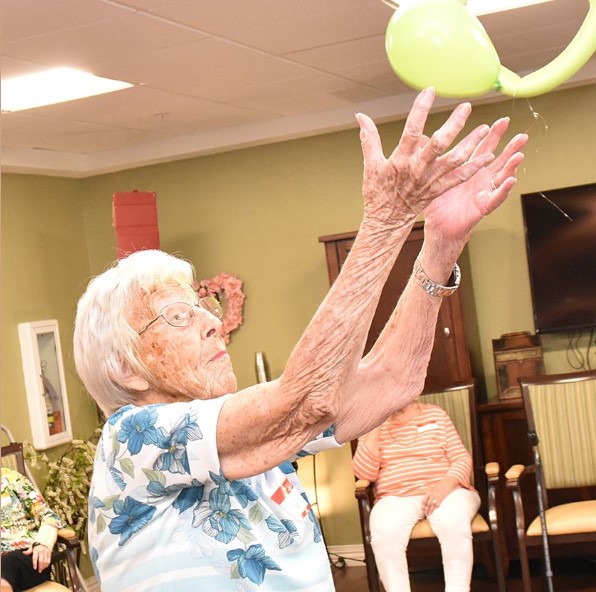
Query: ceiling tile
66	136
132	34
23	19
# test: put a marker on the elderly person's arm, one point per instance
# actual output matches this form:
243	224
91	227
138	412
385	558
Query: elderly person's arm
393	372
263	425
367	459
49	522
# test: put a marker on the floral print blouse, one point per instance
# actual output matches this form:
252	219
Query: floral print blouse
26	517
163	518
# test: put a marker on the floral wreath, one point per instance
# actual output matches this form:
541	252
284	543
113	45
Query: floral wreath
227	288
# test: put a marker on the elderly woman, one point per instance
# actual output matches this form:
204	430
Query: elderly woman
421	469
29	533
192	488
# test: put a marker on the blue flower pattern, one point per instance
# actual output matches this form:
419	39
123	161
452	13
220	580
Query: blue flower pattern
131	516
175	459
138	429
253	563
214	515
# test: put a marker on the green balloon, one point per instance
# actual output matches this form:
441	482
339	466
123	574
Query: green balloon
564	66
439	43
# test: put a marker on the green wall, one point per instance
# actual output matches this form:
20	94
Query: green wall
258	213
44	268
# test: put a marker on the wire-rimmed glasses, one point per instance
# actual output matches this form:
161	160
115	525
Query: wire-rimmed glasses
182	314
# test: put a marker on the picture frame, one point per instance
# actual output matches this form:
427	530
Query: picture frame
43	370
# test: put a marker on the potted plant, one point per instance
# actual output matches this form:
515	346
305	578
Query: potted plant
68	480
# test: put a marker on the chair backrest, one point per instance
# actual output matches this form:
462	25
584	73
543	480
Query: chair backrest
13	458
561	410
458	400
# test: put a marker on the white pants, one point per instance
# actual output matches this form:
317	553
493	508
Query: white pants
392	520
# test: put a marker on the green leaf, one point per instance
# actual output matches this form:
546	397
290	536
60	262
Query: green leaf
245	536
155	476
234	575
127	466
109	502
255	514
101	524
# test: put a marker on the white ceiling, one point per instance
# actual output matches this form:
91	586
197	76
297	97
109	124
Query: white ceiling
216	75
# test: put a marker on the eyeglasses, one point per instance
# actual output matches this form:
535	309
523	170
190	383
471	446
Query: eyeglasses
182	314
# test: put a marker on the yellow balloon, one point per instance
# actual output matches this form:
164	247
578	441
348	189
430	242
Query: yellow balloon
564	66
440	43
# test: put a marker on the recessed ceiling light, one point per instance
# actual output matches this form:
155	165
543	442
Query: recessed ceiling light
487	6
57	85
477	7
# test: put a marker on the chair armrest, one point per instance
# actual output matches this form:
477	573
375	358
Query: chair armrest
68	537
515	473
492	470
361	486
512	478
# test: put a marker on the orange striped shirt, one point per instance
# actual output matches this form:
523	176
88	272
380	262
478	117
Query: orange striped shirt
414	456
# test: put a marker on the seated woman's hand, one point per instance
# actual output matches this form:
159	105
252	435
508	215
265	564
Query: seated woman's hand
41	556
437	493
398	188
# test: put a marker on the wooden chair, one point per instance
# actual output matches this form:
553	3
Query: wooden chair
65	573
459	401
561	412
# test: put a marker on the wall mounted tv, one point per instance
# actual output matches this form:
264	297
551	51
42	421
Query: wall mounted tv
560	230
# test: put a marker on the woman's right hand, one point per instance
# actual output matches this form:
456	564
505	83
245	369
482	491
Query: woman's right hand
41	556
398	188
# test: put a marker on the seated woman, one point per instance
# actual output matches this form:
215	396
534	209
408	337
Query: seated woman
421	469
29	532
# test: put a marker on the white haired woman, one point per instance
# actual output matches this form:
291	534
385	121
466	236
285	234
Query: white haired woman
192	485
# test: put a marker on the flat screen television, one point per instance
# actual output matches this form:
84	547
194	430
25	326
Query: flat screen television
560	227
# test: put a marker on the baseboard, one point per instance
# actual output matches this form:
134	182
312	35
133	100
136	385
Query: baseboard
352	554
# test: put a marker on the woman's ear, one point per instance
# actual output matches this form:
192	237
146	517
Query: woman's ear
129	381
133	382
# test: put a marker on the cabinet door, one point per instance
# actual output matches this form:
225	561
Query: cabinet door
450	359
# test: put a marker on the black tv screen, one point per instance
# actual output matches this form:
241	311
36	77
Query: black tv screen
560	230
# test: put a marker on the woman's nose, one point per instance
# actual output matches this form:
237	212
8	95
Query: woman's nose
210	325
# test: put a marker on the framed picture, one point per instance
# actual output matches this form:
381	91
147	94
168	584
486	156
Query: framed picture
45	385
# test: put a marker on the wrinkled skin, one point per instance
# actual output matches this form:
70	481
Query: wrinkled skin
326	381
185	362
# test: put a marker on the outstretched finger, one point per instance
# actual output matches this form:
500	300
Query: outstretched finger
495	135
446	134
415	122
514	145
464	153
372	149
501	190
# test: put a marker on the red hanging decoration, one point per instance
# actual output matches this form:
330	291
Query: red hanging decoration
134	216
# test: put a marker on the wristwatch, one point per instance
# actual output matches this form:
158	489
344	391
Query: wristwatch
432	288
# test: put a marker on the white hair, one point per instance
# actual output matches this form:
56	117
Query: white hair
105	345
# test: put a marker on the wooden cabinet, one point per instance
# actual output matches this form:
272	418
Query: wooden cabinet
450	360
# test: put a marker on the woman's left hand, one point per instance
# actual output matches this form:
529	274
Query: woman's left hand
41	556
457	211
437	493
